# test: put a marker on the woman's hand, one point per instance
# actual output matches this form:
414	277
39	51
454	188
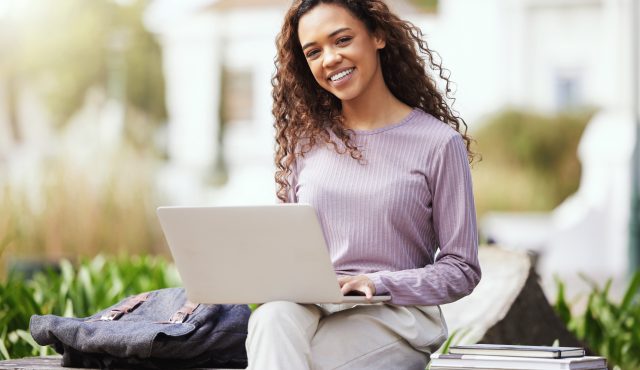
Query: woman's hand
359	283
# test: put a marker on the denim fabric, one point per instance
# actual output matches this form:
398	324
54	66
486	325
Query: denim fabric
213	336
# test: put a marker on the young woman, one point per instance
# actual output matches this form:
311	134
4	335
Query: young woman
365	136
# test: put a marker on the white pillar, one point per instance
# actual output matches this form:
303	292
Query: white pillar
192	75
192	57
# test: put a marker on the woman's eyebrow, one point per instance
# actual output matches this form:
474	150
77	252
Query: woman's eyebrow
330	35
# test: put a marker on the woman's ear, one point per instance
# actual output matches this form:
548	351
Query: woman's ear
379	40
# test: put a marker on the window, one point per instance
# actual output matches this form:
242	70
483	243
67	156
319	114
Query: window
237	95
568	91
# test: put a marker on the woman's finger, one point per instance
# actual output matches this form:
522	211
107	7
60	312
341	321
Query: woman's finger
367	291
343	279
347	287
356	283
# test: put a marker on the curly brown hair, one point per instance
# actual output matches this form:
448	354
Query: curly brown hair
304	111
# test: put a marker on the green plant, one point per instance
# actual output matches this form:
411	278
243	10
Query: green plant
108	47
73	291
426	5
449	342
608	328
453	339
529	160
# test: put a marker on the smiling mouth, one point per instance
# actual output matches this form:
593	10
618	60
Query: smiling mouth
340	76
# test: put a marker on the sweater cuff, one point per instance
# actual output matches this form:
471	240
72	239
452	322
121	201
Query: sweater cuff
375	278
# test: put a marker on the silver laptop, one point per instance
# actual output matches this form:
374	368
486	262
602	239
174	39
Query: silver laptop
252	254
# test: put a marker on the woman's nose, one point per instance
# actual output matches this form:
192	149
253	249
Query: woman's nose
331	57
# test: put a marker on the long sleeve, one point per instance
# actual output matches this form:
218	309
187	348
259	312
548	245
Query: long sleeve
456	270
388	215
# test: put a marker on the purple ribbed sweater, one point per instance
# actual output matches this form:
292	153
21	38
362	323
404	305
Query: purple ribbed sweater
386	218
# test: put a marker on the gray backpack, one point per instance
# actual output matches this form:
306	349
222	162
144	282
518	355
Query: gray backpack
155	330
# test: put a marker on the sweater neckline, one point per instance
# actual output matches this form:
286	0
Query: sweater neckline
388	127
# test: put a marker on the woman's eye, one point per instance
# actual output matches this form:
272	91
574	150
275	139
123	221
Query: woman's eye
344	40
312	53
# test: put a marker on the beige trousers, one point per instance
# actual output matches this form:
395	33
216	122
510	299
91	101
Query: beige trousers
285	335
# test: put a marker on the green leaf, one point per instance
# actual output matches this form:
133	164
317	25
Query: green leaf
447	344
4	352
26	336
561	307
631	293
68	308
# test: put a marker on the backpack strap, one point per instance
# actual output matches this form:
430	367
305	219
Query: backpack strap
128	306
183	313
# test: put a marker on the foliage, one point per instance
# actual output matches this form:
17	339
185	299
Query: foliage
106	45
73	291
529	161
449	342
608	328
427	5
453	339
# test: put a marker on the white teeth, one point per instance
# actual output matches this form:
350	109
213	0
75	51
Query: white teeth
341	75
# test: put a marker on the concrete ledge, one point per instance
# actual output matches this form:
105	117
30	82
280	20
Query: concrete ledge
41	363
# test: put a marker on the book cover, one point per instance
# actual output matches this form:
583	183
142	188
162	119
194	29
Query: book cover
507	362
486	368
518	351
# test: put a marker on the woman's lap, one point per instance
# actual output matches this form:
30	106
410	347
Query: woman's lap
365	336
279	335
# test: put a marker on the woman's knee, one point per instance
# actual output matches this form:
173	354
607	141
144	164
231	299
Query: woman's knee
279	314
397	354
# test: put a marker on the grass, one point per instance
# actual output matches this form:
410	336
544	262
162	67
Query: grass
72	211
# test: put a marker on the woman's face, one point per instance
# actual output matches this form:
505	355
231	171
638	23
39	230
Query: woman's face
341	52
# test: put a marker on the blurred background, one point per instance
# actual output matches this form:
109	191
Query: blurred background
110	108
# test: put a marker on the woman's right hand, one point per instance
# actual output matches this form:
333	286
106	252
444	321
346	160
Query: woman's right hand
359	283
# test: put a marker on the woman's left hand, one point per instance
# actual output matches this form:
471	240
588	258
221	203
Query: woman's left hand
360	283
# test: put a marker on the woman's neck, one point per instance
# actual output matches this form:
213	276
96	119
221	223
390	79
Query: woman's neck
376	108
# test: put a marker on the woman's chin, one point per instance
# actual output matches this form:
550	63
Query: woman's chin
345	95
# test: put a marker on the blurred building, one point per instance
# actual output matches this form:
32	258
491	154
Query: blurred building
554	55
546	55
218	61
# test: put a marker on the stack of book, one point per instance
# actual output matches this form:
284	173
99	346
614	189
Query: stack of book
493	356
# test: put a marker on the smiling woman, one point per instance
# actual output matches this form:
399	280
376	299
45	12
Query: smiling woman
350	80
342	54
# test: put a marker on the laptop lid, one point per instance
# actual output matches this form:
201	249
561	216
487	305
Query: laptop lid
252	254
